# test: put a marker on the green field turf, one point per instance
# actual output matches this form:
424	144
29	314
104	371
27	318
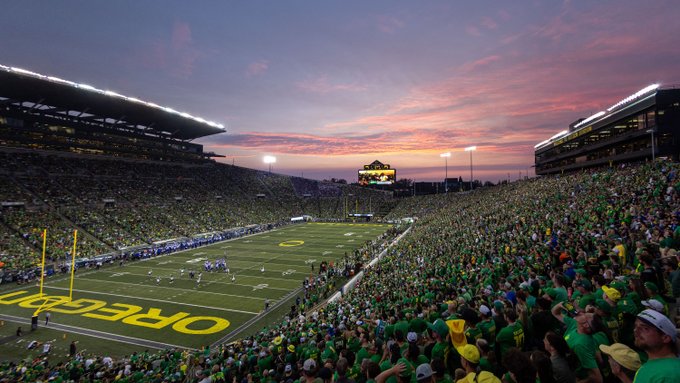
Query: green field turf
125	304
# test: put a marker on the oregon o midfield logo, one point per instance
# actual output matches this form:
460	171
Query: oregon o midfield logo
292	243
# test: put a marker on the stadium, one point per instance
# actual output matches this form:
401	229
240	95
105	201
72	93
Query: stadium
130	254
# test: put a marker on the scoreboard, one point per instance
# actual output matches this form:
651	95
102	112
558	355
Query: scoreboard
377	173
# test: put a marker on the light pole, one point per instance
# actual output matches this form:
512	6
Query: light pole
653	154
446	170
269	160
471	149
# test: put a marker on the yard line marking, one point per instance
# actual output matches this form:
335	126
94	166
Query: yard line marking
224	278
174	288
161	300
100	334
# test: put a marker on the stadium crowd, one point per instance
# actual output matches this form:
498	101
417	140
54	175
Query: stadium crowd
118	204
558	279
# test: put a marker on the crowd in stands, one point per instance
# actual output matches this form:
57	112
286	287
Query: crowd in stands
122	203
558	279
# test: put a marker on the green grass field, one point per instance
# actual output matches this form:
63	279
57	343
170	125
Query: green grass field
127	306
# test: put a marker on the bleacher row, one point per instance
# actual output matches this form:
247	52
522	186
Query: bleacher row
122	203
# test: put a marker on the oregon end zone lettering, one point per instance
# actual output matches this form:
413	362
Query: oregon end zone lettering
133	315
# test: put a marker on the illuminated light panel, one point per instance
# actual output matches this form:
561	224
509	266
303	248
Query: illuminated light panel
108	93
447	154
560	134
470	148
269	159
541	144
632	97
587	120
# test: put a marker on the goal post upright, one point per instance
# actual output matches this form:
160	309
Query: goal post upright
73	265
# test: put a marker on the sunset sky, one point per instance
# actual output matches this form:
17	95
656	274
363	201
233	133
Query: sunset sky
327	86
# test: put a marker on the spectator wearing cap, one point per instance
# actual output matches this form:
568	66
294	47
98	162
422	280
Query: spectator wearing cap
656	335
311	351
265	360
424	374
654	304
291	355
289	374
582	289
439	331
580	340
604	311
469	359
309	370
623	361
487	325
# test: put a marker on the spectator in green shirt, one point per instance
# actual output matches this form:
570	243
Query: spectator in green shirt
656	335
580	341
511	335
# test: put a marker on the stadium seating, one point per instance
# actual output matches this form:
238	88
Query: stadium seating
121	203
505	247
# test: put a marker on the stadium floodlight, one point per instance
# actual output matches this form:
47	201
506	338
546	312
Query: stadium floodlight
471	149
634	96
269	160
591	118
446	170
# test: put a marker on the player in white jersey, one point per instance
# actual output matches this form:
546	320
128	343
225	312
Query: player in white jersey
262	269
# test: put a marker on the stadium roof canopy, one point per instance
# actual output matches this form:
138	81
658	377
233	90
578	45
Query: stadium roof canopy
53	95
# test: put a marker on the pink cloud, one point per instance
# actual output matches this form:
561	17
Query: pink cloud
322	85
481	63
177	55
489	23
257	68
181	36
473	31
389	24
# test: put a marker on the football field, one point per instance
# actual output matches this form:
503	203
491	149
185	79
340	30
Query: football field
153	304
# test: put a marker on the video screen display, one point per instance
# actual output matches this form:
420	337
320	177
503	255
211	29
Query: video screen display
377	177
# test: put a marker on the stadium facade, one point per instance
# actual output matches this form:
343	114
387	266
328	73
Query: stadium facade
49	113
638	128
